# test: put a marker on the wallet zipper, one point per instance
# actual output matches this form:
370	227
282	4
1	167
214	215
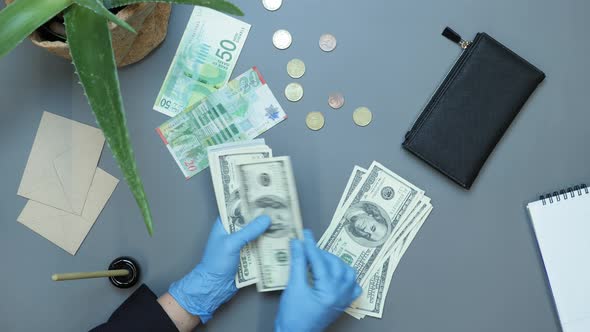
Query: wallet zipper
465	46
451	35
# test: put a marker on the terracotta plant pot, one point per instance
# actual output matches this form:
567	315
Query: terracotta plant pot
150	20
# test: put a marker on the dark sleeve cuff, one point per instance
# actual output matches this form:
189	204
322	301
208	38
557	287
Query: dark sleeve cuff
140	312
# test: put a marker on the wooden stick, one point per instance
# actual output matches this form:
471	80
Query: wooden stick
88	275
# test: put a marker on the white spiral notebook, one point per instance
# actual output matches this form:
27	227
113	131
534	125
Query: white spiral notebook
562	225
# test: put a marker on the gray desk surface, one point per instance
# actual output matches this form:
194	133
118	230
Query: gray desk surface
473	267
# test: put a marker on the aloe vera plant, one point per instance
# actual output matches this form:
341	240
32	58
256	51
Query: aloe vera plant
89	40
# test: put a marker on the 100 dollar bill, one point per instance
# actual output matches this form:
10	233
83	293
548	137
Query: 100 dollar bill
204	60
373	215
227	192
358	173
267	187
372	301
242	110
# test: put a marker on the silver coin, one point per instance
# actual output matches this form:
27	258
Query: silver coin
327	42
282	39
272	5
336	100
294	92
296	68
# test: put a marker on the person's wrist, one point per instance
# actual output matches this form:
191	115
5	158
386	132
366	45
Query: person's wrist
201	292
182	319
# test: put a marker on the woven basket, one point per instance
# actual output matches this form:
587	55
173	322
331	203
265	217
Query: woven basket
150	20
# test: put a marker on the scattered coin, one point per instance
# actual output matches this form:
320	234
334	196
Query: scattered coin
327	42
362	116
294	92
272	5
296	68
314	120
282	39
336	100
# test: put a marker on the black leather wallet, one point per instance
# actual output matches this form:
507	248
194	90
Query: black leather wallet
472	108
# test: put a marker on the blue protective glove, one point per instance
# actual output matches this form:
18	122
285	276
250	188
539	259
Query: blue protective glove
305	307
211	283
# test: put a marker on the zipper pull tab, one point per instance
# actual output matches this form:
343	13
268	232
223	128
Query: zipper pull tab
451	35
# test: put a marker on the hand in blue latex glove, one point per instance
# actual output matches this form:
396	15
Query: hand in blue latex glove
305	307
211	283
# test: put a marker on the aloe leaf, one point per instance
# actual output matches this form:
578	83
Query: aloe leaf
20	18
220	5
97	7
90	46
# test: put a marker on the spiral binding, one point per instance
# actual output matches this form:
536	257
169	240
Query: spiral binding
564	194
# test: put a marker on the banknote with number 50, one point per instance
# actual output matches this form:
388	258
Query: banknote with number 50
204	60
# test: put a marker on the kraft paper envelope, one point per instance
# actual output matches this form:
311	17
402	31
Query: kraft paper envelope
64	229
62	163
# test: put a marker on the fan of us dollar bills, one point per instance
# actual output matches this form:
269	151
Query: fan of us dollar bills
378	216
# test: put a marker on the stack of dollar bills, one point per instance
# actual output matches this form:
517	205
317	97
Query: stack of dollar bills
250	182
378	216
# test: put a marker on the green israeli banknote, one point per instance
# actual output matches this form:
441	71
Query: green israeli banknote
242	110
204	60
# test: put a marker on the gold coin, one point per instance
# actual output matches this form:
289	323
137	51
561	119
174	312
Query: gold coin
294	92
314	120
336	100
362	116
296	68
